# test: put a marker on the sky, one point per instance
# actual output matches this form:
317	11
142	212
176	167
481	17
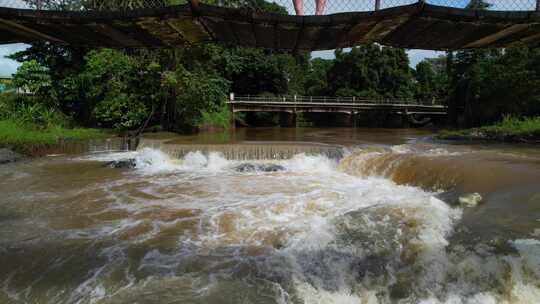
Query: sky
8	66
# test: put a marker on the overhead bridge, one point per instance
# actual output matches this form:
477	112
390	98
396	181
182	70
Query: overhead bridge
416	112
418	24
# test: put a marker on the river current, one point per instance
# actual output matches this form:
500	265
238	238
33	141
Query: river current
394	217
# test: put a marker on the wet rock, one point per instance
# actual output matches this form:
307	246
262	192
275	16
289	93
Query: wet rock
271	168
259	167
470	200
8	156
246	168
122	164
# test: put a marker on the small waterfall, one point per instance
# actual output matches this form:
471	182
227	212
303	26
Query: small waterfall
247	150
71	146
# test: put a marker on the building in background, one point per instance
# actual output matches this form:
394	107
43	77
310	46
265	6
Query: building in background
5	83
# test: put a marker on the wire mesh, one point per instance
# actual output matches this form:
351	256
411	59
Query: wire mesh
280	6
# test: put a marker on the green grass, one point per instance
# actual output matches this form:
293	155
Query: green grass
26	138
220	119
509	129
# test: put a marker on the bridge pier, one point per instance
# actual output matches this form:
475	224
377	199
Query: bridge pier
287	119
346	120
405	119
233	114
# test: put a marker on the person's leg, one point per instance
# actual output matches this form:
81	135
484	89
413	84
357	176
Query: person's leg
299	7
319	7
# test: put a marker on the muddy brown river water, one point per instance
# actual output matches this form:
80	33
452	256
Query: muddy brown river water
346	216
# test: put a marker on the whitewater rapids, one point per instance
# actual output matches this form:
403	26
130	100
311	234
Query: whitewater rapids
194	230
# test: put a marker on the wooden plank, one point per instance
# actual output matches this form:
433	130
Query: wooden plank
264	28
527	36
190	29
358	32
474	32
409	33
287	32
413	26
346	21
9	37
115	35
81	35
133	30
311	31
384	27
244	31
27	32
220	29
490	39
162	31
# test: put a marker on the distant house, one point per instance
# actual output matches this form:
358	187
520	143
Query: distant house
5	82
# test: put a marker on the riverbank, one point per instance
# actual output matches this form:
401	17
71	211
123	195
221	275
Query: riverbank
510	129
30	140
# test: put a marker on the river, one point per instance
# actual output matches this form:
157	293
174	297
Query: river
376	216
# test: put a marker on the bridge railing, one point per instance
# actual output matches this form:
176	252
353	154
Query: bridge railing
280	6
294	99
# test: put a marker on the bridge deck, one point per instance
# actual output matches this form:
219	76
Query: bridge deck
332	105
413	26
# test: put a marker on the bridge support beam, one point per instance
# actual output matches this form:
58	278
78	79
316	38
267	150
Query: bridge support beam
233	117
345	120
405	119
287	119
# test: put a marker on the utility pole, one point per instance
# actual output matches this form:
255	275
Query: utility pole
537	5
378	4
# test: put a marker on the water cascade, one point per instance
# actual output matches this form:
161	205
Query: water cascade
184	226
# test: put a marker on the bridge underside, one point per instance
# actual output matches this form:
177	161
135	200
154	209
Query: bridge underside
431	110
419	25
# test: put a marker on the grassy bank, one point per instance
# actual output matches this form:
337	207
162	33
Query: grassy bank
220	120
26	138
510	129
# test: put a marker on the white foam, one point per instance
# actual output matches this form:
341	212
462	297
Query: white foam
301	214
311	163
150	160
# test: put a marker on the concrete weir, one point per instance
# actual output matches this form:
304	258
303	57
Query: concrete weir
247	150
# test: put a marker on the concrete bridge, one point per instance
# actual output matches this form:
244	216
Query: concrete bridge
417	24
411	111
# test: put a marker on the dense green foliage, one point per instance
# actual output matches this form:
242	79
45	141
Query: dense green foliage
509	129
24	137
27	124
30	111
371	71
186	88
490	84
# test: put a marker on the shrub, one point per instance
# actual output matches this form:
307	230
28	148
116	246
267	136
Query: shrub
33	78
220	119
122	111
112	80
30	111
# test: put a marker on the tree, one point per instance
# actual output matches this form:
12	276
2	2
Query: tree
119	88
33	78
316	82
431	79
198	92
371	71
